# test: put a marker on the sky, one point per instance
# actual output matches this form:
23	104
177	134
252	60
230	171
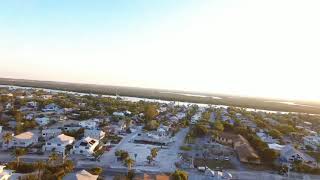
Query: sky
242	47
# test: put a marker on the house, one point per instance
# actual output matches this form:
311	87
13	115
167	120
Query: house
245	152
94	133
81	175
29	116
276	147
71	127
32	104
85	146
266	138
289	154
51	108
242	147
89	124
5	174
24	140
312	141
46	97
195	118
50	133
119	114
42	121
181	115
58	144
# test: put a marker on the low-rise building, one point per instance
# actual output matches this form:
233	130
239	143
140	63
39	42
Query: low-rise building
81	175
58	144
5	174
94	133
42	121
85	146
24	139
50	133
312	141
89	124
289	154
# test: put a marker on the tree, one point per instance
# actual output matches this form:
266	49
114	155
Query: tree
200	130
96	170
18	153
150	112
218	126
68	166
7	137
149	158
129	163
154	153
40	165
53	158
179	175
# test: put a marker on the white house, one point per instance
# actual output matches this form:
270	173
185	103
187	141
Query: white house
42	121
58	144
24	140
29	116
266	138
289	154
51	108
94	133
81	175
89	124
5	174
32	104
50	133
312	141
195	118
120	114
85	146
181	115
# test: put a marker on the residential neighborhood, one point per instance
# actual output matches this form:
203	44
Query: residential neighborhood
76	135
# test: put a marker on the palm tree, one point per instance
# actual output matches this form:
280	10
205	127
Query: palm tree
18	153
7	137
53	157
179	175
149	158
40	165
129	163
68	166
154	153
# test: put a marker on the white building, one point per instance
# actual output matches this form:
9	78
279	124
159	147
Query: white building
51	108
85	146
195	118
5	174
81	175
289	154
50	133
94	133
42	121
24	140
181	115
89	124
58	144
312	141
266	138
120	114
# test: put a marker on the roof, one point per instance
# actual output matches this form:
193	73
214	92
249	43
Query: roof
81	175
25	135
88	141
62	139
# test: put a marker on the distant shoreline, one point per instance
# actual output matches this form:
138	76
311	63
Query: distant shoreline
168	95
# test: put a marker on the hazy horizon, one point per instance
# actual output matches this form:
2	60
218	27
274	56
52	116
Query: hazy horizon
242	47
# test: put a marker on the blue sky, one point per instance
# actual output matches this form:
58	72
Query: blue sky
245	47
